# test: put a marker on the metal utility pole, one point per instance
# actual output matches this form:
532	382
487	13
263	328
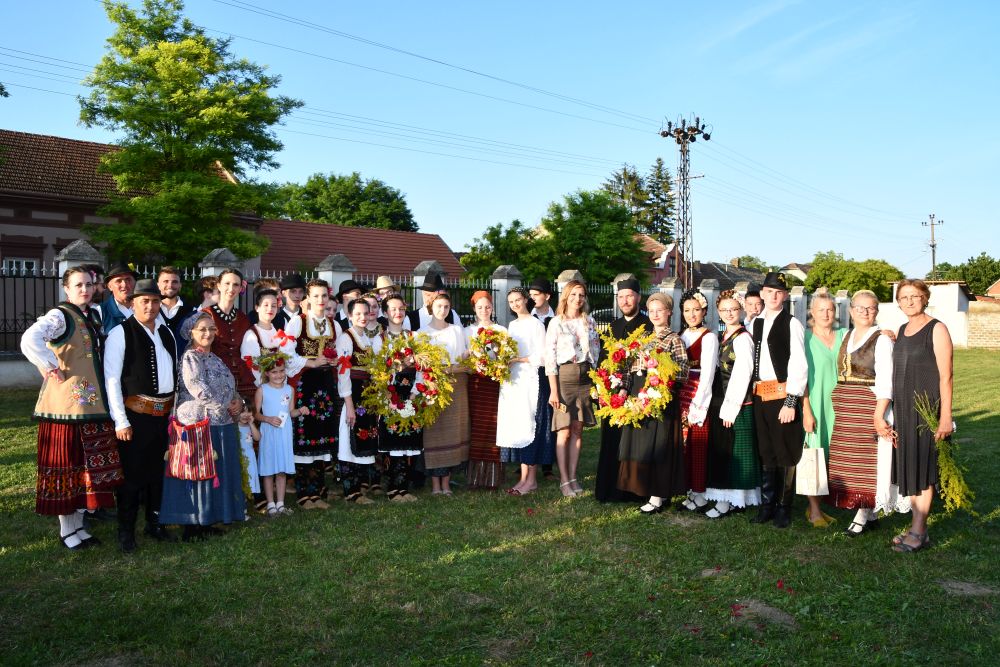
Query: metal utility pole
933	244
685	132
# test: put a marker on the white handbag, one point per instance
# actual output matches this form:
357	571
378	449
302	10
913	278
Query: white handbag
810	473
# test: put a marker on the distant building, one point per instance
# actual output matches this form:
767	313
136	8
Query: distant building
800	271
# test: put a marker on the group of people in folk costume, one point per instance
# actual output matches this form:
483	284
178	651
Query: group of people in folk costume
127	366
757	395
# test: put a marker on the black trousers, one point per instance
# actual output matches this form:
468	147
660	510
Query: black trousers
779	445
143	466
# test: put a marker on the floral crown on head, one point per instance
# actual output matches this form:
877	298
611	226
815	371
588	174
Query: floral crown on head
271	360
696	295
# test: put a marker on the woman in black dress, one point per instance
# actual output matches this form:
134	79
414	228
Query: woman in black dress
922	366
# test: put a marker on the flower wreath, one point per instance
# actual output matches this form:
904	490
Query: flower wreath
490	353
639	350
431	388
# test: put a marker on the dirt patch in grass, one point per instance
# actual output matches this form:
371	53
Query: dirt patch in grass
711	572
684	520
965	588
756	614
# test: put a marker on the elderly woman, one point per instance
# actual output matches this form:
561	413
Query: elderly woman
206	389
860	400
652	454
446	441
822	341
571	350
78	463
485	467
922	367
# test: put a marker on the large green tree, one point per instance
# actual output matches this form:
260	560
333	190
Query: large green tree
193	119
508	244
593	233
831	270
350	201
977	272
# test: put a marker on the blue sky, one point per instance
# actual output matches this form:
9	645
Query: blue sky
835	125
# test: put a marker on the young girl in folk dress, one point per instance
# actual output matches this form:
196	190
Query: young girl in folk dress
315	436
273	406
485	467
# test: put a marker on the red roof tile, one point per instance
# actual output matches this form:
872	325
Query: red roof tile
297	244
42	164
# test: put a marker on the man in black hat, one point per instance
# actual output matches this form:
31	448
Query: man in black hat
780	373
293	292
140	369
628	297
421	317
115	308
540	291
349	291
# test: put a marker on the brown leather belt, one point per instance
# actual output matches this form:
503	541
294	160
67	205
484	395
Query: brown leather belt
770	390
148	405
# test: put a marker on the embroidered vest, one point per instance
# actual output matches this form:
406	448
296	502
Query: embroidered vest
727	359
80	397
857	367
311	347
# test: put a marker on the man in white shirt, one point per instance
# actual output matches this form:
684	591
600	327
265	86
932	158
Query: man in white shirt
140	370
173	310
780	376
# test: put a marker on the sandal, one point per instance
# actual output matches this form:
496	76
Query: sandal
904	548
513	491
718	514
567	489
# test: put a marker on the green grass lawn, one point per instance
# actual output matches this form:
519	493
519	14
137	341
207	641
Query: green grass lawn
490	579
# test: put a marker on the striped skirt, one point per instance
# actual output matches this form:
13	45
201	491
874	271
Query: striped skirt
78	467
695	437
485	469
853	463
446	441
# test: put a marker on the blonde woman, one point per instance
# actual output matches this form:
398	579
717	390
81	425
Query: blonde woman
571	350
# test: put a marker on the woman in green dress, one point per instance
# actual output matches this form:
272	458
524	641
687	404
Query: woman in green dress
822	345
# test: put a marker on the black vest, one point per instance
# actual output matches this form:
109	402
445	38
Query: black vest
139	372
779	344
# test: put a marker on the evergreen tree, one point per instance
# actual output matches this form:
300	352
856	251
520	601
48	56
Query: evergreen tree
658	220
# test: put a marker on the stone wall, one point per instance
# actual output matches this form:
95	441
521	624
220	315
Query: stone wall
984	324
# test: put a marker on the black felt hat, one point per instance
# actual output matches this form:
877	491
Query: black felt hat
541	285
145	287
349	286
432	283
292	281
120	270
775	280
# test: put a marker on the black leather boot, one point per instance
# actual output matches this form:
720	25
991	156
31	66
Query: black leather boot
783	515
768	493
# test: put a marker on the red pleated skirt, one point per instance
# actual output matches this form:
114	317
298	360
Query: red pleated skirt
78	467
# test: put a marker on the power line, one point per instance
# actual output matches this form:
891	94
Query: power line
246	6
428	82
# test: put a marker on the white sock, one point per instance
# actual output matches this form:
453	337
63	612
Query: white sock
655	501
862	516
80	530
67	526
271	505
699	499
722	506
280	505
